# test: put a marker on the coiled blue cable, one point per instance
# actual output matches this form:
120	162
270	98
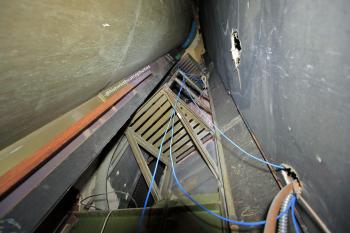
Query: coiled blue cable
277	166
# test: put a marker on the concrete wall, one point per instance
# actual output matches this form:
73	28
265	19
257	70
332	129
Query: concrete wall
54	55
295	74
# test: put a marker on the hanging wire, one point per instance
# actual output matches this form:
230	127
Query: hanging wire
277	166
105	221
291	204
100	194
182	189
139	227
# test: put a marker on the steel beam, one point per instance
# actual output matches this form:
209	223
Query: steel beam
142	164
197	142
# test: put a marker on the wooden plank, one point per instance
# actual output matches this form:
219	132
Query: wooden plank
184	149
203	134
149	147
185	153
153	108
176	137
147	105
177	144
177	127
154	117
150	135
189	114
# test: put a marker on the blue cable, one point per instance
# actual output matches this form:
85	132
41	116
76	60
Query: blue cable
277	166
249	224
190	36
157	162
241	223
295	223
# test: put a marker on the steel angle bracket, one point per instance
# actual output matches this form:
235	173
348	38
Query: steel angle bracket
142	164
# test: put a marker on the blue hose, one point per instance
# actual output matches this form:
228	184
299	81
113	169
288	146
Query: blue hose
190	36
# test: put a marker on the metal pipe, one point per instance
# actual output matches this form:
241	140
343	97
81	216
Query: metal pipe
313	215
283	221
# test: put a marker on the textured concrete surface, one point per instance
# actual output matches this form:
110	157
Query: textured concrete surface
295	88
54	55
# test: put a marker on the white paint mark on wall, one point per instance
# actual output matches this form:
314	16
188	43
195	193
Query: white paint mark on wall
16	149
309	67
284	72
106	25
226	28
271	108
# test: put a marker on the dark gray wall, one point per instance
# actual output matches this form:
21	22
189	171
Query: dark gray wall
54	55
295	95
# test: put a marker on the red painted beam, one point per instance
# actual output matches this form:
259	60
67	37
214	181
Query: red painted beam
18	173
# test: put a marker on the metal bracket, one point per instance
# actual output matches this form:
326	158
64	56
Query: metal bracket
142	164
182	116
